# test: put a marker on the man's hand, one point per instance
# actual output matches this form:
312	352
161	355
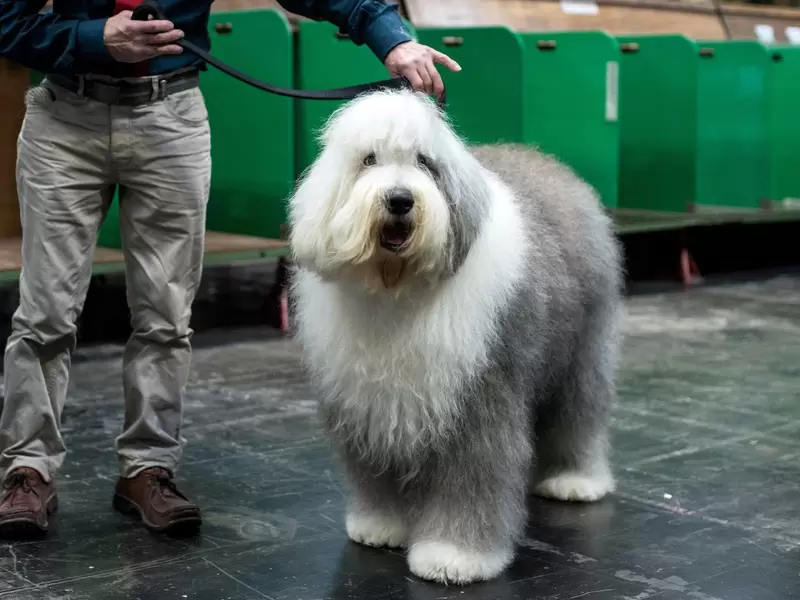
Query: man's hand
415	62
132	41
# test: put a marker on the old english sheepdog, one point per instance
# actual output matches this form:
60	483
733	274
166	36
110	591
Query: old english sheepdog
458	310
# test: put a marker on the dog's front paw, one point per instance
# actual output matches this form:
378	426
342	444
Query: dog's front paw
575	487
446	563
376	530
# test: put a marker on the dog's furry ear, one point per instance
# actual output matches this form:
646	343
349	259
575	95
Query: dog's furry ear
465	187
309	208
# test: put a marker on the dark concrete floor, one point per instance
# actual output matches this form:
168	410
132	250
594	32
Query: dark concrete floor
707	437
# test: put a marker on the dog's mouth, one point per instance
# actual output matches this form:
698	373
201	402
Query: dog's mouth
395	235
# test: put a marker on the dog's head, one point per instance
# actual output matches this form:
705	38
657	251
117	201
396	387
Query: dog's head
394	199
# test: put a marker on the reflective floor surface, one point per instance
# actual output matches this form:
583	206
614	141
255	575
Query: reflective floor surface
707	454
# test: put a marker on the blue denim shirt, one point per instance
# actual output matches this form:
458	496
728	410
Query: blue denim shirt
69	39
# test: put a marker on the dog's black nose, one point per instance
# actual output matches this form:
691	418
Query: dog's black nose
400	201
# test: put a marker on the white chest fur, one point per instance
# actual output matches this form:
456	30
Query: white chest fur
396	368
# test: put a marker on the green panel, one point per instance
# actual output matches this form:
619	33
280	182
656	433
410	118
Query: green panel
784	125
36	77
252	135
570	103
484	99
658	120
327	61
733	164
110	236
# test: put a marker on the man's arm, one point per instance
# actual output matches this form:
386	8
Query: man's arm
49	42
370	22
379	26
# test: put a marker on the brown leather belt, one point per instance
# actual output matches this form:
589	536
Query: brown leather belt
127	93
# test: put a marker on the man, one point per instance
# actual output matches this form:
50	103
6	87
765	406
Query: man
121	105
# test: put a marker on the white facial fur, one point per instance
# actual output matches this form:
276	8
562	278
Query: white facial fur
339	208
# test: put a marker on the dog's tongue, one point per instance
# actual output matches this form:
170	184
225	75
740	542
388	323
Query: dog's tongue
395	238
395	234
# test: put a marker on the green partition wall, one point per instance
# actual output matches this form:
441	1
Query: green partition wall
732	116
327	60
658	123
484	100
654	122
784	125
252	133
570	103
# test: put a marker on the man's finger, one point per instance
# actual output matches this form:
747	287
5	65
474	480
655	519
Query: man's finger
151	26
414	79
160	39
445	60
427	82
436	79
169	49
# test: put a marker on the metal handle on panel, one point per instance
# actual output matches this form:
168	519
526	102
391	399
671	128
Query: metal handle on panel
452	40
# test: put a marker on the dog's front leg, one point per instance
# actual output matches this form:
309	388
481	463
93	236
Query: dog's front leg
473	513
375	515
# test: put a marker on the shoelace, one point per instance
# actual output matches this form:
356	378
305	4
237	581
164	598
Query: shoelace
17	481
163	481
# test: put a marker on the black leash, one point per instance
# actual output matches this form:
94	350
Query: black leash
150	8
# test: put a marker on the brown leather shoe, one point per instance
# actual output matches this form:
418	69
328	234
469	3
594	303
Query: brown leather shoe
153	496
26	504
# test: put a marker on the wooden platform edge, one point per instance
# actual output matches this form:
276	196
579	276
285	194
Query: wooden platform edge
630	221
627	222
222	249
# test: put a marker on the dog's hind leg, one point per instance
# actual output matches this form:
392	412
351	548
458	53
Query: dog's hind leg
571	427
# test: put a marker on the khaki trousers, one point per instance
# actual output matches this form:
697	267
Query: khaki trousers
72	151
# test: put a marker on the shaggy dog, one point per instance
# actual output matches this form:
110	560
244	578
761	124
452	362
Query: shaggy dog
458	310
